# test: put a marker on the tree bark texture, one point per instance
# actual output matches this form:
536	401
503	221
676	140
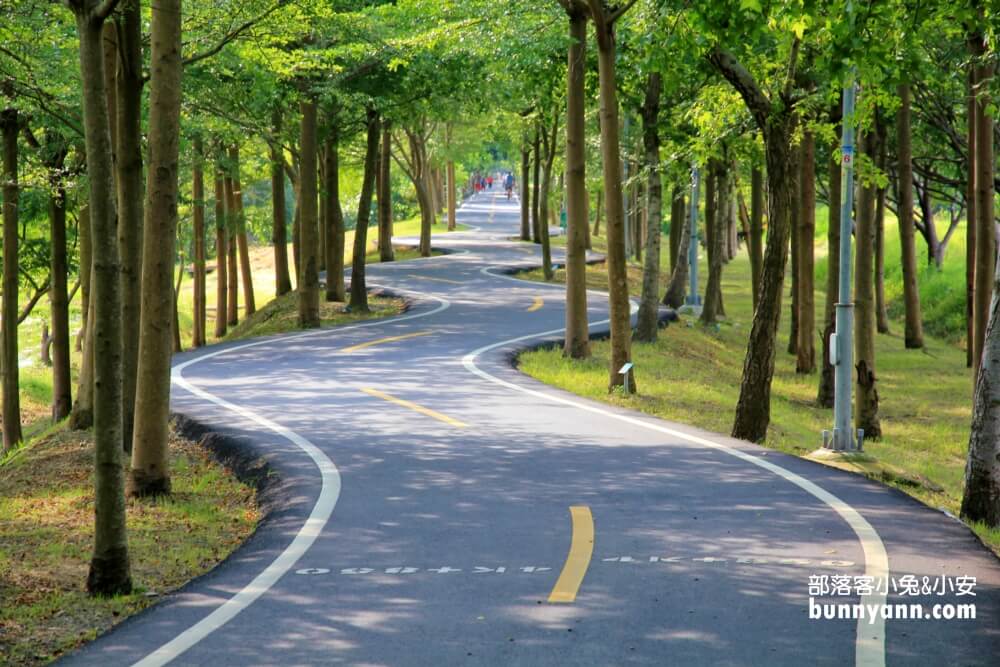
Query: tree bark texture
805	361
198	195
914	331
308	280
359	290
109	567
9	126
221	258
577	343
866	392
149	474
240	230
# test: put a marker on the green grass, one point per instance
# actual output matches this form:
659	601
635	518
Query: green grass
46	536
692	375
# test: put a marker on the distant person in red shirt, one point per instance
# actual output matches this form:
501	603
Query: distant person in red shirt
489	182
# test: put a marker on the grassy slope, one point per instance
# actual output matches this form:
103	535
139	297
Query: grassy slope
46	536
692	375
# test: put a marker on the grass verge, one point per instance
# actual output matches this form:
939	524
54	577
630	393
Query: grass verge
46	536
692	375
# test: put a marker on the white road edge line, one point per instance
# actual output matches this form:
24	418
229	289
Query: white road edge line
318	517
870	637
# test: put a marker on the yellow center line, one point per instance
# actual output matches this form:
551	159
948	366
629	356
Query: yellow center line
440	280
581	548
390	339
413	406
538	303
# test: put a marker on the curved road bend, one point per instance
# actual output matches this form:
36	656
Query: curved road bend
425	509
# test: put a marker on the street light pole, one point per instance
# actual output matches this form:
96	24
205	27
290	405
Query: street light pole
842	342
693	299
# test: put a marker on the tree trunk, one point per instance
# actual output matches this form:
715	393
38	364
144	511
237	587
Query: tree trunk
577	343
970	208
825	393
711	213
385	250
796	217
715	234
175	316
296	230
221	258
335	290
674	296
599	211
914	334
881	311
805	361
127	134
359	290
62	386
866	401
323	215
452	190
109	566
330	159
308	280
12	436
620	319
279	232
232	285
676	224
241	234
649	321
986	248
198	194
150	474
536	196
83	239
756	240
525	192
549	144
981	496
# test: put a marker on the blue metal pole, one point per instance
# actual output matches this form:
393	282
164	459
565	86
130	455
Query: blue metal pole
693	299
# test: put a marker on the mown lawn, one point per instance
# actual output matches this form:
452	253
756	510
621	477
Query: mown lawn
692	375
46	537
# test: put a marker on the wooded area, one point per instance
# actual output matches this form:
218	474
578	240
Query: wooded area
310	120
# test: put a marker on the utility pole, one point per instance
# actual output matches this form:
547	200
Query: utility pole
693	299
842	341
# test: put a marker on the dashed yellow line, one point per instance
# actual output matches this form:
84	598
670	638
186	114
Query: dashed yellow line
390	339
440	280
536	305
581	549
413	406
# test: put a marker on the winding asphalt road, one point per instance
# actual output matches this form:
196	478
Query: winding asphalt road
422	514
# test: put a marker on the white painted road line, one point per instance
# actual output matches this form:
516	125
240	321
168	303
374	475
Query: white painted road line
870	637
318	517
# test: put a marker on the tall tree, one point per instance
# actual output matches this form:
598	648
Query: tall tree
577	343
109	567
232	272
385	249
279	231
9	127
604	19
825	393
62	386
359	290
221	257
525	191
452	189
776	119
198	216
805	361
649	303
126	123
756	240
719	169
149	474
240	232
549	146
986	247
914	333
866	396
308	280
335	290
